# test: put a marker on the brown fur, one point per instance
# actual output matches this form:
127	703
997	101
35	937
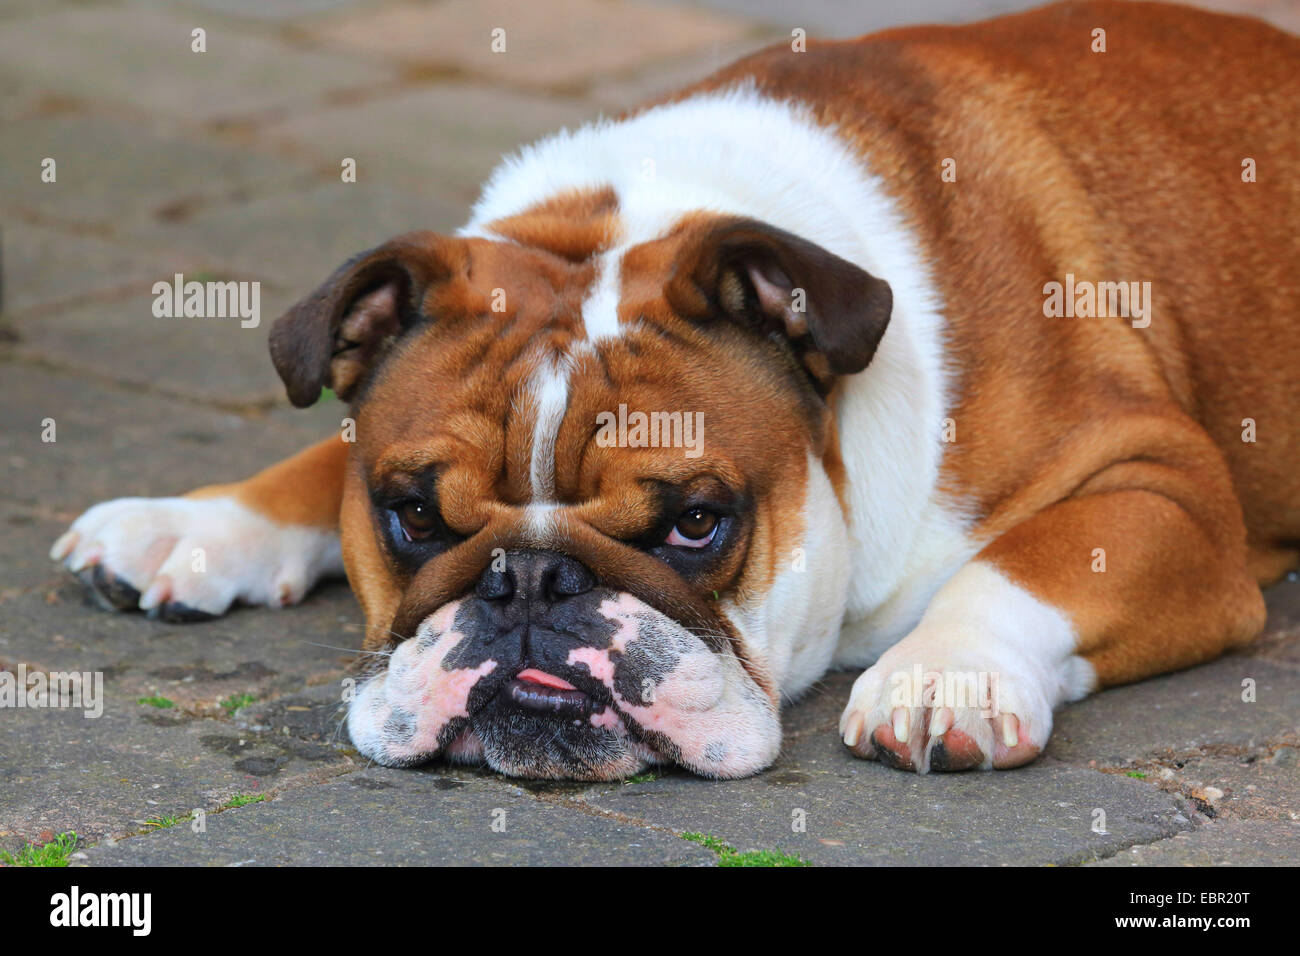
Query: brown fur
1124	165
1072	434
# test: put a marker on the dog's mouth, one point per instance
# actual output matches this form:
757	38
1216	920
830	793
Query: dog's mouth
637	690
538	724
543	693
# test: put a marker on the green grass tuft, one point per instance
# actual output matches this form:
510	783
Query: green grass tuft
54	853
1138	774
162	823
156	701
729	856
242	800
236	701
709	842
761	858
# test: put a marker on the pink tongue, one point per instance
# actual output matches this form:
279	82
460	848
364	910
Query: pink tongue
534	676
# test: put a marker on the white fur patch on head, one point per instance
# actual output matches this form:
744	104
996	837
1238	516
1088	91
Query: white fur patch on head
539	523
549	392
712	153
600	311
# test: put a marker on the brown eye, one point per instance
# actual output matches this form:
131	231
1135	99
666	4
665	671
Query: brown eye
419	520
694	529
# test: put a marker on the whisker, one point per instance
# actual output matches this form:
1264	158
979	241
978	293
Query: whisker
400	637
350	650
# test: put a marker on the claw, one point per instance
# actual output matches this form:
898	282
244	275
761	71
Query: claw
159	590
853	728
940	721
63	547
902	724
1010	730
92	555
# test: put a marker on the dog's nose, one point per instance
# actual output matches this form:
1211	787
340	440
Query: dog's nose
528	576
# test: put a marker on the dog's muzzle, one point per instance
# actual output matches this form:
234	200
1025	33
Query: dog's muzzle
541	671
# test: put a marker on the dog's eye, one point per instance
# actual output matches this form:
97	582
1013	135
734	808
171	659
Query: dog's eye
694	529
419	520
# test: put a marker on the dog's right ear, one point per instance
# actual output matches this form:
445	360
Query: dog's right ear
334	336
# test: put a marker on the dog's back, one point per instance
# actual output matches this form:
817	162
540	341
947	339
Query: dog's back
1159	151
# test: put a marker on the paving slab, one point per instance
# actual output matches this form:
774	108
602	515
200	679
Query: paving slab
22	97
21	8
849	18
24	563
278	10
45	267
1280	642
410	818
1263	785
558	44
298	238
818	710
1179	714
314	714
104	777
138	56
1281	13
204	359
113	170
856	812
624	90
1221	843
104	434
259	653
443	139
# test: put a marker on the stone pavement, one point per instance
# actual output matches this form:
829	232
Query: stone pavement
225	164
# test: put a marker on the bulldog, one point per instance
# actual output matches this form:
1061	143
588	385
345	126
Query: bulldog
843	266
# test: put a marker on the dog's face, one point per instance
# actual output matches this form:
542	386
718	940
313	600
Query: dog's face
581	552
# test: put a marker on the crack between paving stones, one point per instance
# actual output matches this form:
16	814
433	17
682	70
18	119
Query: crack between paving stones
1174	759
312	778
1081	861
590	809
255	409
1202	808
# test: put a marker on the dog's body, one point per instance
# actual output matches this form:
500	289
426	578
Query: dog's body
842	260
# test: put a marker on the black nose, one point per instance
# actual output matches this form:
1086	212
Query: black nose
534	576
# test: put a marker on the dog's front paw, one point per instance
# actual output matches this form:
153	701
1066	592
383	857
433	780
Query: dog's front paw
187	559
924	708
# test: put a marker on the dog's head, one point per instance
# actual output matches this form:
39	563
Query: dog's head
593	511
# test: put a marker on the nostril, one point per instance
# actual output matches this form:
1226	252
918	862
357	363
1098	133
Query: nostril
495	586
568	578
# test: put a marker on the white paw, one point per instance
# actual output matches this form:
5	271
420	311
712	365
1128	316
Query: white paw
973	686
184	559
923	710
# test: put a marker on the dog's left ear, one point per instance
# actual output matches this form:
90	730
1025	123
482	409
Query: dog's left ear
336	334
831	312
